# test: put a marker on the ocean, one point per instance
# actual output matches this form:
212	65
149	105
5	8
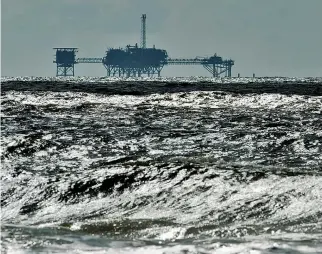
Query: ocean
161	165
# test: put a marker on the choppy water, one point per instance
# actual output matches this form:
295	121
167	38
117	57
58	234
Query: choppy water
161	166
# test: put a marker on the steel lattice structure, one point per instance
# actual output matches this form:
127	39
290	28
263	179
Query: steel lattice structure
143	31
65	61
215	65
216	69
89	60
117	71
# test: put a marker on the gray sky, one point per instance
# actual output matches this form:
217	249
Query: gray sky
269	38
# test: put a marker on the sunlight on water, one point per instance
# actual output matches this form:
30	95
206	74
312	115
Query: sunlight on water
196	171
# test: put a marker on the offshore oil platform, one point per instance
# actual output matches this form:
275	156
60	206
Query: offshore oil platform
135	61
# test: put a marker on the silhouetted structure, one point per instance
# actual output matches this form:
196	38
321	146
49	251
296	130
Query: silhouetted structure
134	61
65	61
143	32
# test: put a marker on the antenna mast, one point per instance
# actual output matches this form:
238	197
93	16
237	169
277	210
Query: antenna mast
143	33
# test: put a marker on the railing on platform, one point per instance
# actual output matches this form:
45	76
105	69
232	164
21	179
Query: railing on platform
213	65
89	60
184	61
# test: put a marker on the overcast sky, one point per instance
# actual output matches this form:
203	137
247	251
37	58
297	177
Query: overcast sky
269	38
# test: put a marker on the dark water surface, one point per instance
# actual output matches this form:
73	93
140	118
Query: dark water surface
177	166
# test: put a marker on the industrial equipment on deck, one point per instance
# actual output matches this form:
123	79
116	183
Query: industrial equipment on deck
65	61
134	61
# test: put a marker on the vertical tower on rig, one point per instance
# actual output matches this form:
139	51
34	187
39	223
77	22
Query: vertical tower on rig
143	31
65	60
135	61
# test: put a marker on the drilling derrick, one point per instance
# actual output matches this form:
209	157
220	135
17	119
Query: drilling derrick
143	31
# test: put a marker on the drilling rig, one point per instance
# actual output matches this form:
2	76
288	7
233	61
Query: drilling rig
135	61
